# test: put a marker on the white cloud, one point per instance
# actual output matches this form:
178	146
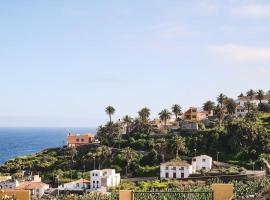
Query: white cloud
241	53
252	11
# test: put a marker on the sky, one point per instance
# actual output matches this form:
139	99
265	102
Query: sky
63	61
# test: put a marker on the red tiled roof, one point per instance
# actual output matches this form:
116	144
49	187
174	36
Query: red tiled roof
27	185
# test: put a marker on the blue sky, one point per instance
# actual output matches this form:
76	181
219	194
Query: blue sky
63	62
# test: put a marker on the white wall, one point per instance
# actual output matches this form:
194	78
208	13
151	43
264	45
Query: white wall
202	162
187	170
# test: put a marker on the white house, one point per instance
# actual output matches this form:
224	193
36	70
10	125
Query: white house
175	170
101	180
36	187
79	185
9	184
202	162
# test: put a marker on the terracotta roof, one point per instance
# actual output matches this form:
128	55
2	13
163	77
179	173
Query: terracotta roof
27	185
176	163
246	98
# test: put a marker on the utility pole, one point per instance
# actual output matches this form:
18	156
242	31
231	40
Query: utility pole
217	155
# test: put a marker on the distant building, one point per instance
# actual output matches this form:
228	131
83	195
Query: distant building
201	162
102	180
254	99
195	114
175	170
74	140
75	186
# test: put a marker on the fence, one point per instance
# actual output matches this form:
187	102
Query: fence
174	195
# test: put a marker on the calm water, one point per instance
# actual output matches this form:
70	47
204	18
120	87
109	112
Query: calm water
25	141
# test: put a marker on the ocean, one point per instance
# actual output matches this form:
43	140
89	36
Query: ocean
26	141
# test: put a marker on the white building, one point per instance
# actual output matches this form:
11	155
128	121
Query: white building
201	162
36	187
254	99
79	185
175	170
101	180
9	184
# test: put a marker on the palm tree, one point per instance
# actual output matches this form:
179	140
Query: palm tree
260	95
249	106
103	152
164	115
128	155
208	106
230	106
127	120
221	99
160	147
110	111
251	93
144	114
219	113
178	144
176	109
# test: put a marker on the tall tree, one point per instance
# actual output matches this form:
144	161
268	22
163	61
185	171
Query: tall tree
104	152
165	115
161	146
110	111
219	113
208	106
178	144
144	114
176	109
251	93
221	99
230	106
260	95
128	154
250	106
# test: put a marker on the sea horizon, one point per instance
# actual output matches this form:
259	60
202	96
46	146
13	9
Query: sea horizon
23	141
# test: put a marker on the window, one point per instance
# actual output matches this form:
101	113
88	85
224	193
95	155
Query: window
93	174
77	185
167	175
94	182
82	140
174	168
182	168
167	168
174	175
203	160
77	140
96	174
194	159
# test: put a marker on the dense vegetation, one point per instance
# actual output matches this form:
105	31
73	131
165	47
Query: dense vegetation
241	140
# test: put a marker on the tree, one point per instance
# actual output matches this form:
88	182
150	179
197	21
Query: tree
127	120
249	106
144	114
178	144
109	132
221	99
110	111
103	153
241	95
164	115
260	95
208	106
251	93
129	155
161	146
219	113
176	109
230	106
